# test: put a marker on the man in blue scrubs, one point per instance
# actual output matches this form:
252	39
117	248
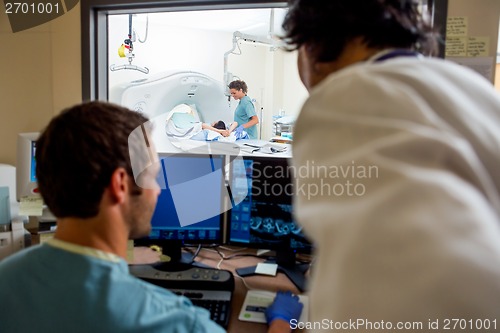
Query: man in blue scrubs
79	281
244	114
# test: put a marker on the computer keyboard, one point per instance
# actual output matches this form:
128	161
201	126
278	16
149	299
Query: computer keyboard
217	302
206	287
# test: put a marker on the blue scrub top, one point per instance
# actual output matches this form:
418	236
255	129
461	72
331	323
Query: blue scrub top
49	289
243	113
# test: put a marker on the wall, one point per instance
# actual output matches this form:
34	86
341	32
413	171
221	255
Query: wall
40	74
293	96
497	73
497	78
167	48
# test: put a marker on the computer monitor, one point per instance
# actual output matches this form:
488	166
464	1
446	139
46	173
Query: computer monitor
190	207
26	183
264	218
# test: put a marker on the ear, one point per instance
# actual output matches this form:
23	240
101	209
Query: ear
321	69
119	185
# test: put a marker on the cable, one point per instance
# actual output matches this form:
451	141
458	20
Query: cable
239	49
219	263
232	250
195	254
245	282
146	33
199	247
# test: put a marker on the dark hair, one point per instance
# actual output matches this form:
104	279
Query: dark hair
220	125
239	85
78	152
328	25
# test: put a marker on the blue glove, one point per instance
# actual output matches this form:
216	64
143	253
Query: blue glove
285	306
239	129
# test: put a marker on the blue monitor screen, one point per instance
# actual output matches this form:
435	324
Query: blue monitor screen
190	205
264	217
33	162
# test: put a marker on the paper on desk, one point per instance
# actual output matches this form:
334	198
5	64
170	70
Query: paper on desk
250	148
31	205
267	148
257	301
266	269
272	149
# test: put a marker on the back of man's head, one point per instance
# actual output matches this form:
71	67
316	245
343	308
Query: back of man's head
327	26
78	152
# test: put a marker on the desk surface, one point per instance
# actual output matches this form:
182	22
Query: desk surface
211	258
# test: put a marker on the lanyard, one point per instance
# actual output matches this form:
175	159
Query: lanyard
397	53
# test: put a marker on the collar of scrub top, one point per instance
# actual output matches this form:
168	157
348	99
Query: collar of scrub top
394	53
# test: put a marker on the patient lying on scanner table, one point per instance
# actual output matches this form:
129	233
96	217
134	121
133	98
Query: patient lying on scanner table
218	131
183	123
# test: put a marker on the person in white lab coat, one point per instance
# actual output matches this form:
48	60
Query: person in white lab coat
396	157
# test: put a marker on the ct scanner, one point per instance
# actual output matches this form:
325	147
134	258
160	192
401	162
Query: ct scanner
158	95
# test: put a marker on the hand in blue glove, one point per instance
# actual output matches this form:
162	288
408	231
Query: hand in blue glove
285	306
239	129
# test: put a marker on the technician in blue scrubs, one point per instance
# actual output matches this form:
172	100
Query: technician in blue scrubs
79	281
245	111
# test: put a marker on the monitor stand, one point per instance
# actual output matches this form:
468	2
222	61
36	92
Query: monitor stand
285	259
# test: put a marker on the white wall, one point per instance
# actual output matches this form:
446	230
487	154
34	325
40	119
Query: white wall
167	48
252	67
294	95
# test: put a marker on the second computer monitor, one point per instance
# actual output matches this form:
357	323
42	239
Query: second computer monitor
264	218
